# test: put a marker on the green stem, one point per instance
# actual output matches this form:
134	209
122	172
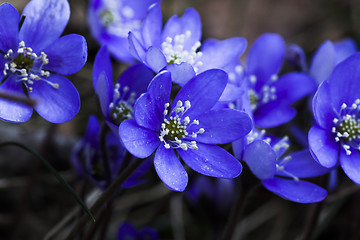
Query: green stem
53	171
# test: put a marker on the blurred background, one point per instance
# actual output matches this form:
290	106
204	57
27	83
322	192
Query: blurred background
33	205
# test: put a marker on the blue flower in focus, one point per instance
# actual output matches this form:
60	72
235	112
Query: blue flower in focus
110	21
187	127
117	101
127	232
271	95
328	55
33	58
280	174
177	47
89	155
336	137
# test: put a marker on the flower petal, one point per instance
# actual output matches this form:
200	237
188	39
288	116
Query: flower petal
11	111
222	126
265	57
323	146
296	191
344	49
155	59
323	111
218	54
45	21
170	169
190	21
67	55
344	82
57	105
102	63
152	26
351	164
203	91
303	165
181	73
323	62
136	48
104	92
272	114
140	142
9	27
211	160
261	159
149	108
293	86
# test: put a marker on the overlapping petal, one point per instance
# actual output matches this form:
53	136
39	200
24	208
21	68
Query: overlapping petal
351	165
9	26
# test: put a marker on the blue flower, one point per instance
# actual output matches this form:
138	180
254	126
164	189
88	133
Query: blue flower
279	174
187	127
33	57
336	105
88	157
117	101
110	21
127	231
177	47
271	95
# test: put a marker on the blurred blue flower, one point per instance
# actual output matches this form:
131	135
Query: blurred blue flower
34	56
280	174
177	47
110	21
128	232
336	105
271	95
187	126
88	158
117	101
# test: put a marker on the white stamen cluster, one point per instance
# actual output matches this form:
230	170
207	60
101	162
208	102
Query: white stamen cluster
117	19
238	71
266	94
255	135
174	51
28	65
347	127
174	128
120	108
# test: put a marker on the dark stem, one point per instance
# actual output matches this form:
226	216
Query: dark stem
237	211
106	195
103	133
53	171
21	22
17	98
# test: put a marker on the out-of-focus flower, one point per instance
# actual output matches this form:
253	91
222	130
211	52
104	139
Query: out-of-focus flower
110	22
279	174
271	95
336	105
33	58
88	158
177	47
128	232
117	101
187	127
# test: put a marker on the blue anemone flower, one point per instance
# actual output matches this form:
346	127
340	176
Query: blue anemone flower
336	106
187	127
117	101
177	47
32	59
271	95
280	174
110	22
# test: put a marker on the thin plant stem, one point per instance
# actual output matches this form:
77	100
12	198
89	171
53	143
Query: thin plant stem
53	171
105	196
237	211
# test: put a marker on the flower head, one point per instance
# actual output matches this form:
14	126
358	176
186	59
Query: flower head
336	105
186	126
32	58
110	21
